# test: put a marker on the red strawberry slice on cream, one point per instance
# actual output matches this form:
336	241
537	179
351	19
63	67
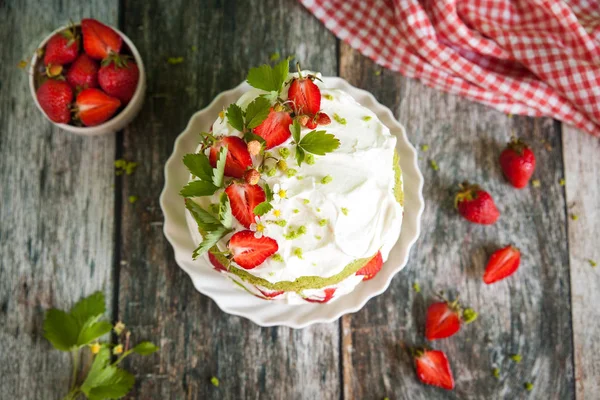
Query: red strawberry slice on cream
249	251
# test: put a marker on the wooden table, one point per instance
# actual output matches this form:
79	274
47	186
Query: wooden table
67	228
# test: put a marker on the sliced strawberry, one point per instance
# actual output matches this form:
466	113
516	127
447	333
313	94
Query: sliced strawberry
270	295
443	320
433	368
95	107
99	40
476	205
323	119
503	263
83	74
248	251
238	159
329	292
55	97
216	263
243	198
62	48
372	268
275	129
305	96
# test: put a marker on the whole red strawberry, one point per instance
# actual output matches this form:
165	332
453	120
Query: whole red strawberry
83	74
62	48
118	77
55	97
95	107
433	368
517	162
476	205
502	264
99	40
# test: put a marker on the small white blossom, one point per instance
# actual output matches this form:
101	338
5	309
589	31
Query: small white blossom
258	227
279	192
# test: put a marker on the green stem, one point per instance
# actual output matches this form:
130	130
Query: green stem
75	355
123	357
72	395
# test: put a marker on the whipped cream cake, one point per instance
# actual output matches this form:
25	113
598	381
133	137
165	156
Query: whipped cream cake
295	194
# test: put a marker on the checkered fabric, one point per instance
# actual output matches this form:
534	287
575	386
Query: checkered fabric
530	57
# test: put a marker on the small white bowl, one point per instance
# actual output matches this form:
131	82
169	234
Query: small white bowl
117	122
229	297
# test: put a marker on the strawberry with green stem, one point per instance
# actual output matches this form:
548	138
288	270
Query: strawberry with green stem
305	97
444	319
518	162
476	205
62	48
55	97
118	77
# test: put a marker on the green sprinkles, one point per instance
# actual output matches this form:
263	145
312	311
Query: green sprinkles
299	177
275	56
528	386
416	287
277	257
295	234
318	237
516	358
125	167
309	159
291	172
562	182
328	96
284	152
344	211
175	60
469	315
367	118
298	253
281	222
377	72
306	201
424	147
434	165
271	172
317	209
295	211
592	263
215	381
326	179
496	373
132	199
323	222
339	119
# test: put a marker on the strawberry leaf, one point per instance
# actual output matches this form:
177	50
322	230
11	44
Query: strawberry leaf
218	172
271	96
263	208
267	78
300	155
105	381
225	215
145	348
60	328
319	143
96	372
92	330
295	129
89	307
257	112
204	219
198	189
209	240
235	117
198	165
268	192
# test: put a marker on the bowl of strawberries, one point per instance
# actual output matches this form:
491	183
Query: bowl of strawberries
88	78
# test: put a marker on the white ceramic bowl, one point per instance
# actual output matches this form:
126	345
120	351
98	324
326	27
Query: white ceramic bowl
235	301
117	122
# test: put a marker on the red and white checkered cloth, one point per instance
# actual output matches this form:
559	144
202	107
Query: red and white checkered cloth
530	57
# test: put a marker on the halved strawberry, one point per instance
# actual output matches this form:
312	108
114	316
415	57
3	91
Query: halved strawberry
443	320
433	368
372	268
83	74
275	129
270	295
238	159
319	119
216	263
99	40
329	292
305	96
243	198
502	263
95	107
249	251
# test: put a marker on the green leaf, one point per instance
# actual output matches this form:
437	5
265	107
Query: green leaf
263	208
92	330
249	136
198	189
61	329
319	143
268	192
300	155
271	96
295	129
235	116
92	306
96	372
257	112
116	383
145	348
218	172
225	215
209	240
198	165
204	219
267	78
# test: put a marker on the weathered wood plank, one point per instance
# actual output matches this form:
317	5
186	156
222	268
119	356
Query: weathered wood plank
56	207
582	168
527	314
155	297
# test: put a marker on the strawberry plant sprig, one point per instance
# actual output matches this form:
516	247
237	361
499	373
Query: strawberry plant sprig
253	116
270	79
80	329
314	142
210	227
209	179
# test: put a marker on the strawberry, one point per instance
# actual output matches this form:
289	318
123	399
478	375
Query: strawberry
99	40
372	268
55	97
243	198
329	292
319	119
275	129
305	96
517	162
433	368
249	251
443	320
270	295
62	48
238	159
118	77
476	205
83	73
94	106
503	263
216	263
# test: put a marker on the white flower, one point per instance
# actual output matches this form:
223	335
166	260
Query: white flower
258	228
279	192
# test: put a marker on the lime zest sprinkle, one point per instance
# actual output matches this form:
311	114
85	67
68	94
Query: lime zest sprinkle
277	257
367	118
310	159
298	253
323	222
326	179
271	172
275	56
562	182
536	183
339	119
496	373
295	211
528	386
317	209
284	152
434	165
516	358
132	199
592	263
299	177
574	217
424	147
175	60
318	237
215	381
291	172
306	201
344	211
328	96
416	287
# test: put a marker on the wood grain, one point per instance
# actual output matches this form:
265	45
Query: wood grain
156	298
528	313
582	167
56	208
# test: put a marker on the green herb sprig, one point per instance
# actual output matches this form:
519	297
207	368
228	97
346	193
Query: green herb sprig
211	228
314	142
209	179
